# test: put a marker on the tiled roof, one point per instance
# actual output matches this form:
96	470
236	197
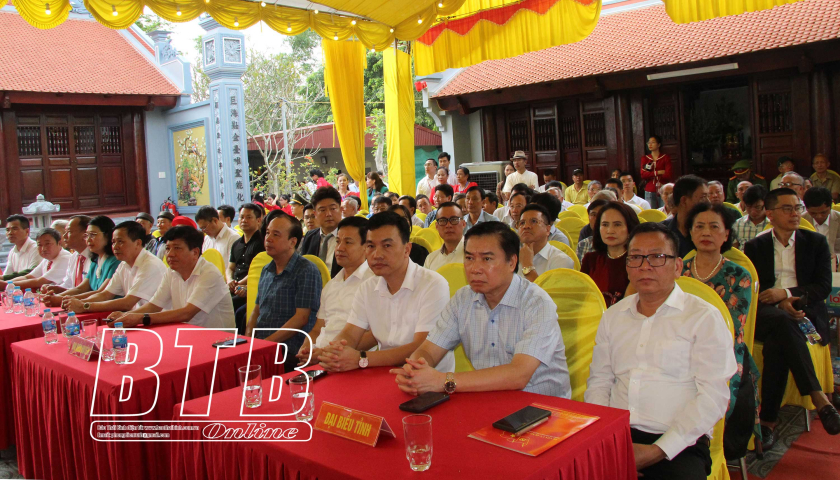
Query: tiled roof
78	56
647	37
324	136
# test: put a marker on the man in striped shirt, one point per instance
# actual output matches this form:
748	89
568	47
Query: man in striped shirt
747	227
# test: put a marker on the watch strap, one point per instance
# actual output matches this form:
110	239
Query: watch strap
147	320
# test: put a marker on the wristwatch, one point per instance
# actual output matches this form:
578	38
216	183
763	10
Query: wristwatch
86	306
363	360
147	320
527	270
449	384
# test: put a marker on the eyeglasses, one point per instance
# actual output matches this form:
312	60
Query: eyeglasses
789	184
788	209
532	222
92	235
654	260
446	221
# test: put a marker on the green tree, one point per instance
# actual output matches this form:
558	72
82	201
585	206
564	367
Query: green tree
201	82
149	22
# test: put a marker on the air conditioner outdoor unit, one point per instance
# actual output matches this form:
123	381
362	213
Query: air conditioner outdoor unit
486	174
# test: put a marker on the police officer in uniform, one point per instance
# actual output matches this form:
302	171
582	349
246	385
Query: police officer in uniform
743	171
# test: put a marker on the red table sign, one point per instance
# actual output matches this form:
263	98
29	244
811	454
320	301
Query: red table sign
352	424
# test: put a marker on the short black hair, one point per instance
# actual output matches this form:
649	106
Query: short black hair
549	171
308	206
295	232
382	199
421	196
134	230
401	208
84	221
192	237
533	207
272	196
772	198
476	188
385	219
616	182
258	212
522	194
206	213
630	220
51	232
106	226
816	196
466	172
555	184
359	223
24	222
394	196
754	194
458	196
412	203
508	239
596	204
446	189
444	155
227	211
449	204
656	227
492	197
521	187
657	138
625	173
685	186
728	220
325	193
433	160
316	171
552	204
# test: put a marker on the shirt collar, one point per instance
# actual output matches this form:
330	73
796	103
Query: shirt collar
511	298
460	246
776	241
409	282
321	232
675	300
28	244
544	251
359	273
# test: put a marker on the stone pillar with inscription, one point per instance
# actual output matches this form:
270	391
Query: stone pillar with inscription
224	62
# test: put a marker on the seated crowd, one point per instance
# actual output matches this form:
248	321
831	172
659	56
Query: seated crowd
663	354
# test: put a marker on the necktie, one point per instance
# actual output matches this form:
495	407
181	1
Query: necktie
49	265
325	247
80	271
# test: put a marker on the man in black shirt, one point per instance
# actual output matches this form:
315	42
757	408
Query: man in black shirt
242	253
689	190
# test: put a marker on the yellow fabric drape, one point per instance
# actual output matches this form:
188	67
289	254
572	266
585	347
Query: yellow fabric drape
686	11
344	76
567	21
399	121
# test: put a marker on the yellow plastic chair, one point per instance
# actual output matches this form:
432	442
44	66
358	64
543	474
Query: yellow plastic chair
836	207
322	267
415	229
652	215
360	214
423	243
727	204
239	230
697	288
803	224
364	212
156	234
580	210
457	278
572	226
431	236
257	264
580	305
420	215
567	214
213	256
563	184
567	250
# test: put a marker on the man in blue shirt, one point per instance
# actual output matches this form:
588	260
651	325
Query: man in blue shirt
289	289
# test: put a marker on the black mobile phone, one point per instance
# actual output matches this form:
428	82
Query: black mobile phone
312	374
229	342
424	402
522	419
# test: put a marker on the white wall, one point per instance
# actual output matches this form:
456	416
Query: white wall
157	159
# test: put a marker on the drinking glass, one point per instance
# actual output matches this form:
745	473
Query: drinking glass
251	380
303	399
418	441
106	352
89	329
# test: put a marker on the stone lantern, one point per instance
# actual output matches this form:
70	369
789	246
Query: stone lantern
41	212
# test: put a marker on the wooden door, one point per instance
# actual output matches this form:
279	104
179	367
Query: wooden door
665	121
545	142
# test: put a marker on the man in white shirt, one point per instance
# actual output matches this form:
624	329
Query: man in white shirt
444	161
338	293
192	291
410	203
553	207
401	305
627	193
666	356
218	235
826	221
666	192
53	264
521	175
536	255
475	213
135	281
451	226
350	206
424	204
549	175
427	183
23	257
77	267
556	191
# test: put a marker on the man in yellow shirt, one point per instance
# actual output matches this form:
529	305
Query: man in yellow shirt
823	177
576	193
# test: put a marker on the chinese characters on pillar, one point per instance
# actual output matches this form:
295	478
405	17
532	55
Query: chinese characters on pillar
218	127
236	146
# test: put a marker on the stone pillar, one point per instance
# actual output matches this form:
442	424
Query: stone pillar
224	62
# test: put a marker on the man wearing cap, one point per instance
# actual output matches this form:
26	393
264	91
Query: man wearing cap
164	223
577	193
742	171
785	164
147	221
298	202
520	175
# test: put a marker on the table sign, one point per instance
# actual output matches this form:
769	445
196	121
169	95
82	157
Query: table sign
82	347
352	424
561	425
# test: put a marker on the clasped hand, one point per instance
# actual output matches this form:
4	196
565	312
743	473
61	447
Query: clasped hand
417	376
338	357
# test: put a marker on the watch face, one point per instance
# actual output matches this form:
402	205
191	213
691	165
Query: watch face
363	362
449	387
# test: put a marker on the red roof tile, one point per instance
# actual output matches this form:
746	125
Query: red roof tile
78	56
323	136
647	38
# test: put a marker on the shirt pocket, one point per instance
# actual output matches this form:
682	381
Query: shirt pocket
673	357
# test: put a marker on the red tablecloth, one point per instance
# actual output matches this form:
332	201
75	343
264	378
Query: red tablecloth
601	451
53	393
15	328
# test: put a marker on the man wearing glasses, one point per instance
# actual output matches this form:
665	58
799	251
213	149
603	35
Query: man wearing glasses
795	182
792	264
536	255
451	227
666	356
321	241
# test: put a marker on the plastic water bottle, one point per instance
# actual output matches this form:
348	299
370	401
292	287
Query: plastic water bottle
50	336
18	300
71	326
30	308
120	344
810	332
7	297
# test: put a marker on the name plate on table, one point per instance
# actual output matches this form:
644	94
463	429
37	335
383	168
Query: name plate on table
352	424
82	347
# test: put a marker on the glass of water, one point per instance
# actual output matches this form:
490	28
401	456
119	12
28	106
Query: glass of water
251	380
89	329
106	352
303	399
418	441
